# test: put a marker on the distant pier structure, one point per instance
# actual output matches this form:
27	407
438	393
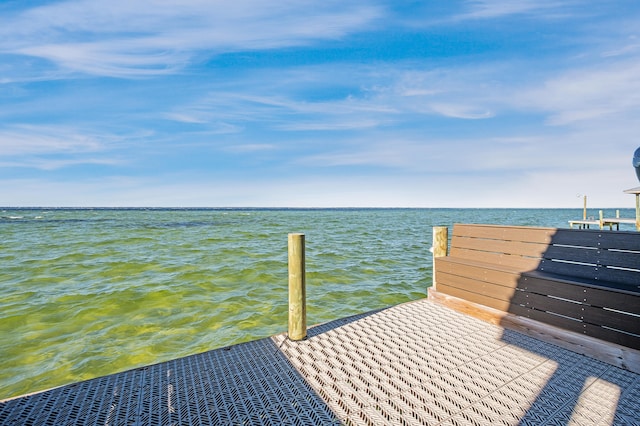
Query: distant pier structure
602	221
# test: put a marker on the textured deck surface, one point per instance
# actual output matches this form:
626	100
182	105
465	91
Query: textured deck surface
416	363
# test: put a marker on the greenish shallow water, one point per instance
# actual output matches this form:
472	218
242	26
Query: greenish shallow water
84	293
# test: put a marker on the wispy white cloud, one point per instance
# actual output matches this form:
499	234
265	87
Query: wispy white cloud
373	97
610	90
55	164
334	124
461	111
253	147
32	139
349	104
202	117
108	58
460	91
512	156
121	38
284	111
632	46
391	153
486	9
55	147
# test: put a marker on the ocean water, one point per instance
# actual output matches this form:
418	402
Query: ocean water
89	292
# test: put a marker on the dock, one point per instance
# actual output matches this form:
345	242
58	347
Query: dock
417	363
603	222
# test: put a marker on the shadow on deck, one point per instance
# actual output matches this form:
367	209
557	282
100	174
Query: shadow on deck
585	282
576	289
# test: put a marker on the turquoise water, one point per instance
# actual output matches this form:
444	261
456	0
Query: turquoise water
86	293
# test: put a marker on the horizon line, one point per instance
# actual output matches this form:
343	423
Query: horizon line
294	208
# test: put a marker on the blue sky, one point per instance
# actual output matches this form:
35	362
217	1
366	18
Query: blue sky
364	103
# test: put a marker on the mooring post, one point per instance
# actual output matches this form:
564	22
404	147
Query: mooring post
439	248
297	288
637	212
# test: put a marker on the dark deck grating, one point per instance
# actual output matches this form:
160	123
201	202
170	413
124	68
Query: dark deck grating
246	384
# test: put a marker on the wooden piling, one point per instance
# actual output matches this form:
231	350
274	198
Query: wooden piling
637	212
297	288
603	222
636	192
439	247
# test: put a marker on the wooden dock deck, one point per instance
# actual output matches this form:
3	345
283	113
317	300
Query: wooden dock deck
603	222
418	363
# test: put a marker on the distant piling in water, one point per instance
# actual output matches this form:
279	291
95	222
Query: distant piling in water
297	288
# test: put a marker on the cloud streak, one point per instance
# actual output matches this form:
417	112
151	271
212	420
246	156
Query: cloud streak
120	38
492	9
35	140
588	94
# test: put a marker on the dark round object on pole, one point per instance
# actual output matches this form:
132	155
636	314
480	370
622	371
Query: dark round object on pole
636	162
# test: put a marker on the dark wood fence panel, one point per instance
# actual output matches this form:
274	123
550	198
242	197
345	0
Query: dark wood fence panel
586	281
596	296
613	336
619	259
